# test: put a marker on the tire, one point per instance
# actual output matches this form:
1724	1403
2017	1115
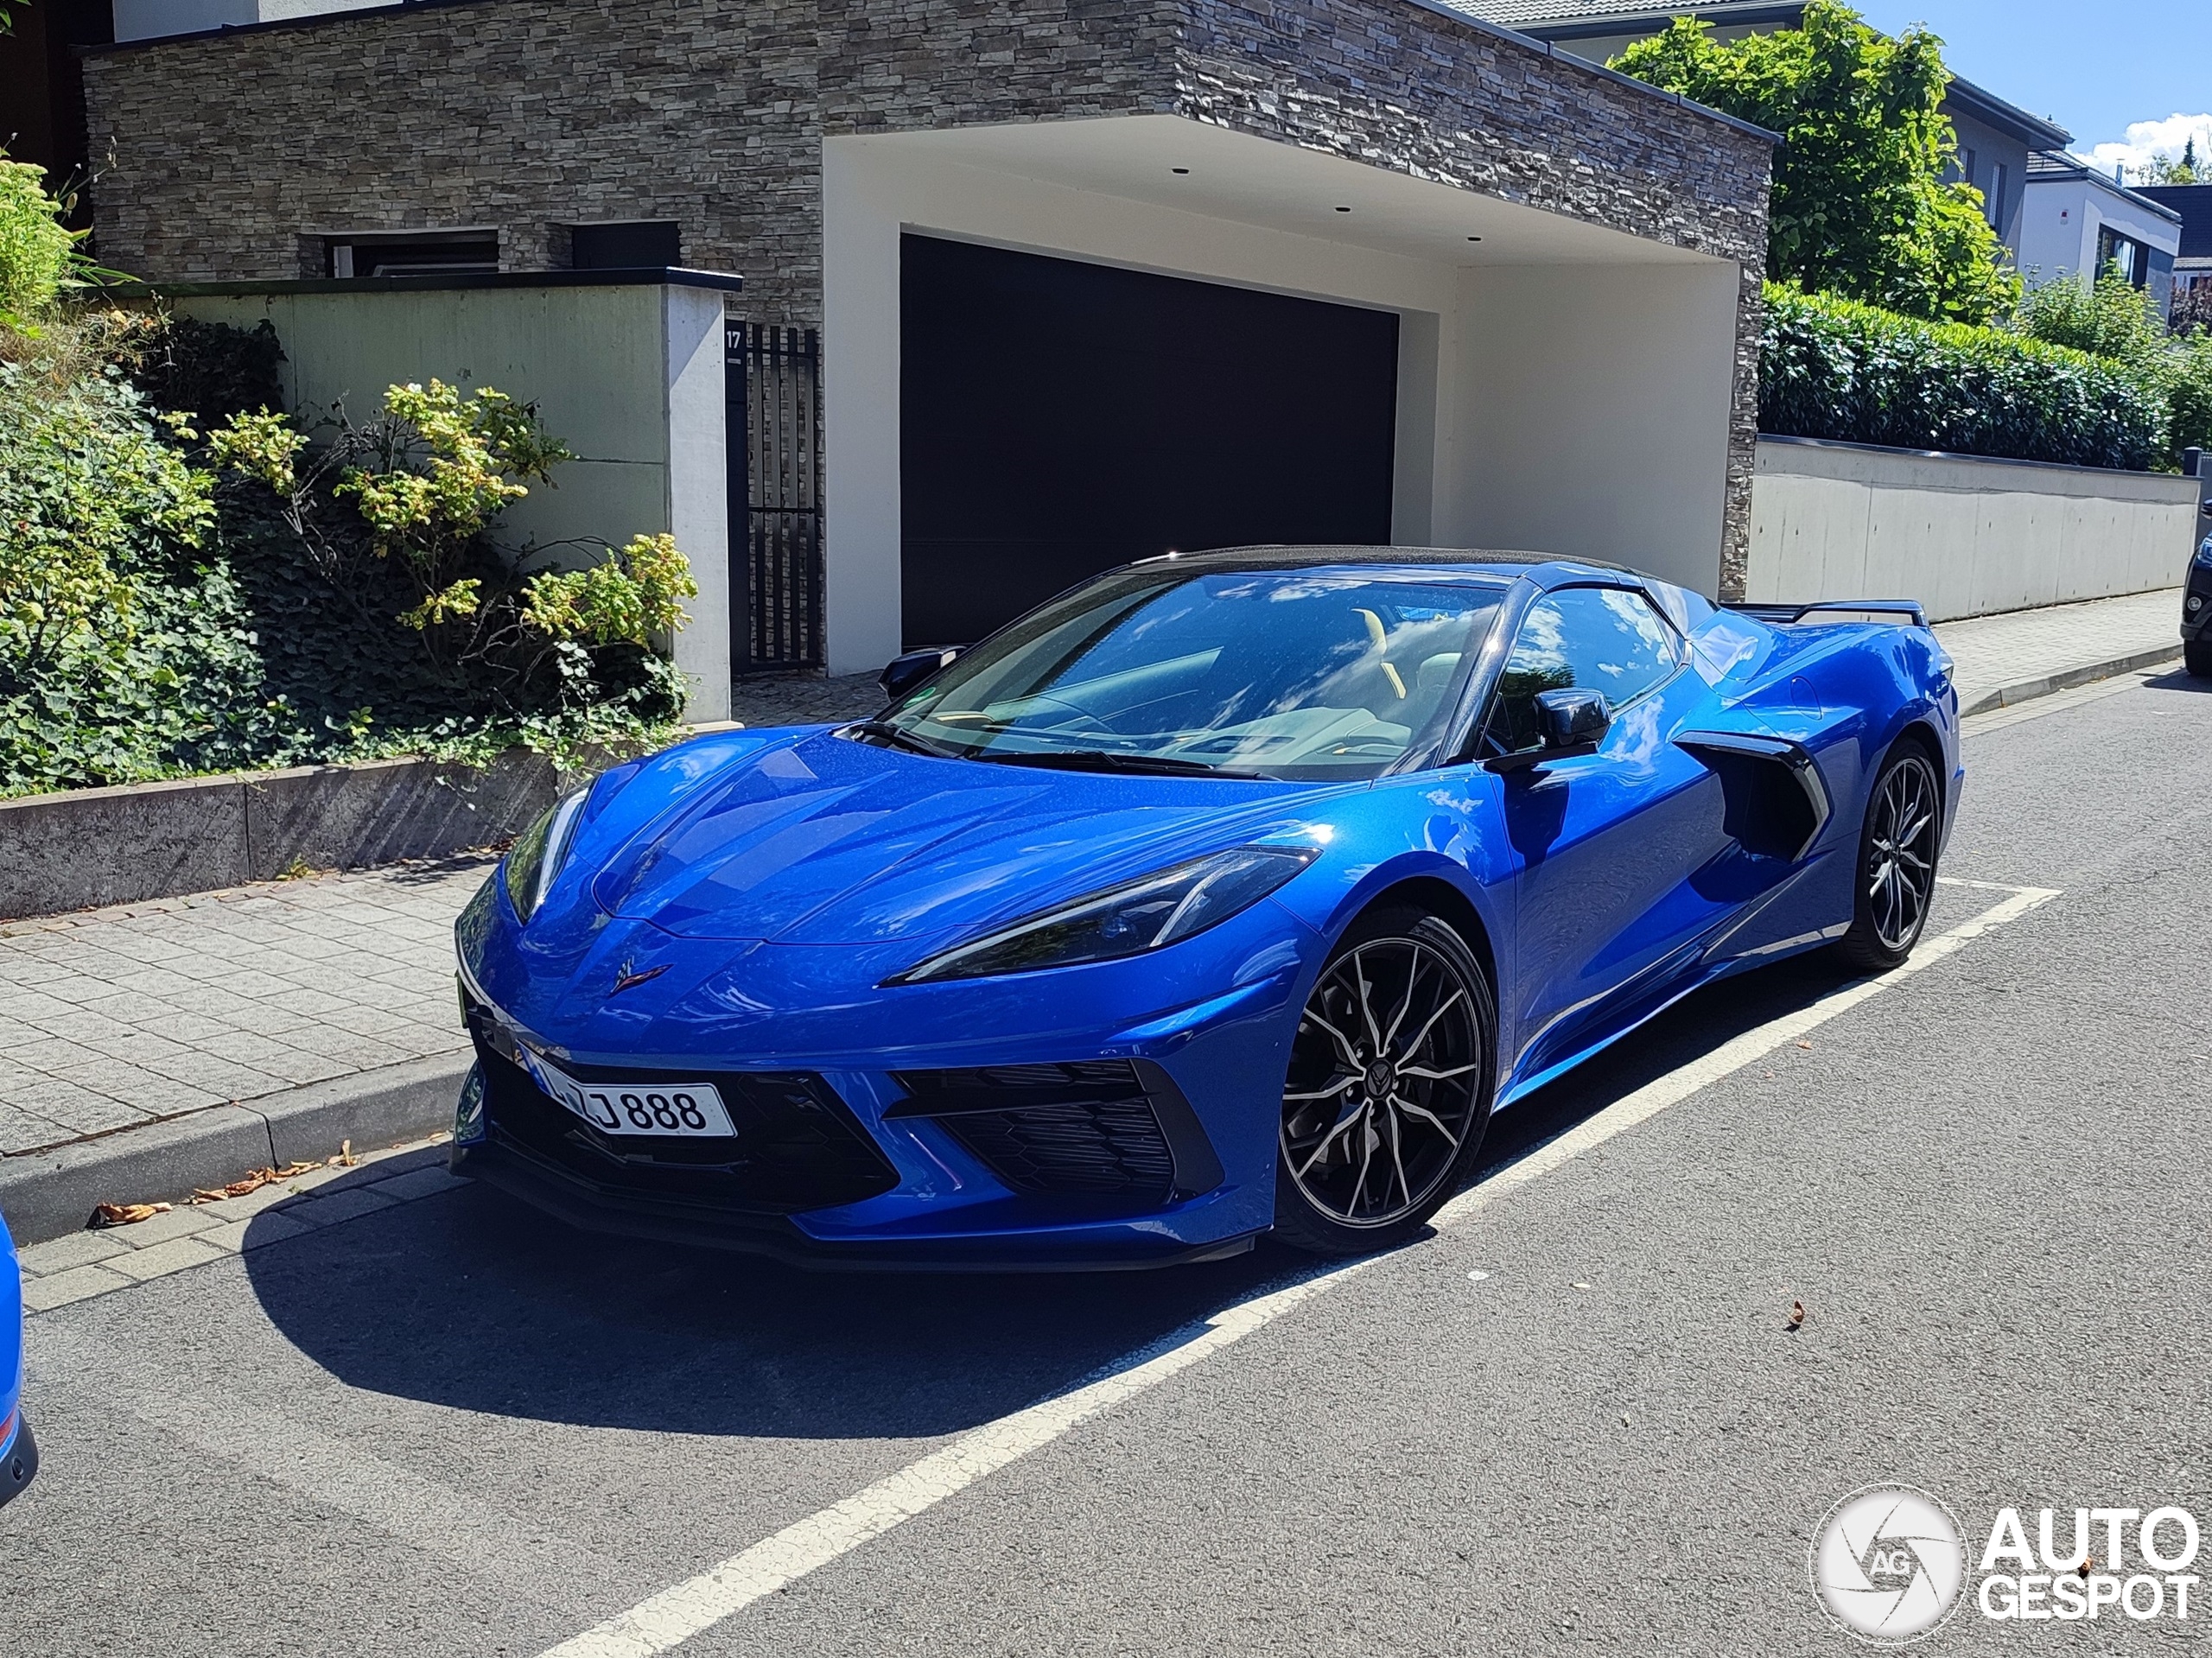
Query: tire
1894	884
2196	656
1396	970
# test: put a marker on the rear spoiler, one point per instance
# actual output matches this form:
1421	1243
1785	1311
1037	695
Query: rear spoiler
1880	613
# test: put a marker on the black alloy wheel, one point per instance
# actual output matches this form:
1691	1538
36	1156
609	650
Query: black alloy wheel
1897	850
1388	1089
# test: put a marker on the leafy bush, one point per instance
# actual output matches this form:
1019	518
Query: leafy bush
412	496
1832	368
2110	318
2114	319
126	649
39	254
171	603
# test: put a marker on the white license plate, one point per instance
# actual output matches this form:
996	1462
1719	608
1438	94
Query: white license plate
668	1110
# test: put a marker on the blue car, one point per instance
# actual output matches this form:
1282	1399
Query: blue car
18	1451
1227	894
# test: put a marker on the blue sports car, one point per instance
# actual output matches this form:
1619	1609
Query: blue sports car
1226	895
18	1451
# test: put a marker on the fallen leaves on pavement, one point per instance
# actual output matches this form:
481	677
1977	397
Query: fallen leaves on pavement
253	1182
106	1215
1797	1315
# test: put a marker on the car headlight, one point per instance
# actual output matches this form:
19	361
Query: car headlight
539	852
2204	551
1126	920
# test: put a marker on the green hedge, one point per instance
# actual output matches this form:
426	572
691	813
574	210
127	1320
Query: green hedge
1830	368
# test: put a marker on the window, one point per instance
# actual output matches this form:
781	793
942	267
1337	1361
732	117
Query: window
1607	639
634	244
1998	178
427	253
1968	165
2124	254
1331	671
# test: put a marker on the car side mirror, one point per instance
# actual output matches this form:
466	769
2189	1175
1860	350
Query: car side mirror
1568	723
906	672
1572	723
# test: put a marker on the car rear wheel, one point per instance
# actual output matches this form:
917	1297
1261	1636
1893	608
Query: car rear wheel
2196	656
1897	850
1388	1089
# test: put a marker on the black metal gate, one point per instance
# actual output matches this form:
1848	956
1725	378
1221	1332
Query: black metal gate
772	378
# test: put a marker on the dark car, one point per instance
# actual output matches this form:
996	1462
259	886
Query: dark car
2196	610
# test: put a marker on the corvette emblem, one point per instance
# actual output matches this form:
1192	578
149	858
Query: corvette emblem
629	979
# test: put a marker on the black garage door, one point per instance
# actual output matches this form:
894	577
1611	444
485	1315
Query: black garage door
1061	418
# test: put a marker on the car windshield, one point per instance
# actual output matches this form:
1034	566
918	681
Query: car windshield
1331	672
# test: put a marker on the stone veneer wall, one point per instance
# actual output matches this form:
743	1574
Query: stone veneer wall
232	154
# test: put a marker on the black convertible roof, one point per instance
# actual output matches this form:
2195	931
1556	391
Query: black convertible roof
1497	561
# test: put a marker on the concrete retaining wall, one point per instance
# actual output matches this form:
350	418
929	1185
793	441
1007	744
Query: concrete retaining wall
1966	536
93	846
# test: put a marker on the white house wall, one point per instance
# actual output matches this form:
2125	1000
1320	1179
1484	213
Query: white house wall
694	419
1593	418
2063	217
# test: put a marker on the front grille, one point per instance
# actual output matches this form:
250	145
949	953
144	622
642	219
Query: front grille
1085	1130
796	1147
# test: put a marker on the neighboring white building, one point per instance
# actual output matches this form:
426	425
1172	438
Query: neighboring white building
2078	221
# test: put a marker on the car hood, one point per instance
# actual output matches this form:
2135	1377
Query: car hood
810	838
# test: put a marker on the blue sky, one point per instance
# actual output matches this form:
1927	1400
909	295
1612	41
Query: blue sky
2095	66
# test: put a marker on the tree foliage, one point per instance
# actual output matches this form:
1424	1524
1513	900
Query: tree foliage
2165	167
1859	206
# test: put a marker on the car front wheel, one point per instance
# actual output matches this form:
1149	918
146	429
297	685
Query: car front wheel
1388	1089
2196	656
1897	848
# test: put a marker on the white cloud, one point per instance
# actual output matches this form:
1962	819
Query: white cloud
2147	139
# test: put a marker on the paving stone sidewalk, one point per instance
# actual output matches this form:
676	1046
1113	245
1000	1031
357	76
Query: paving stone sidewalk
115	1017
2030	647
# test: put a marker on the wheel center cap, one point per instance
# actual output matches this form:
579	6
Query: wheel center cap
1382	1077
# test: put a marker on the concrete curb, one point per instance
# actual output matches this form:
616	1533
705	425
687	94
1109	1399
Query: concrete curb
47	1195
2027	690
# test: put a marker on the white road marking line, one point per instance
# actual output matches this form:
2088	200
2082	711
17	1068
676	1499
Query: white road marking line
676	1614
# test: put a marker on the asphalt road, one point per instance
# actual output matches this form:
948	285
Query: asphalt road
454	1428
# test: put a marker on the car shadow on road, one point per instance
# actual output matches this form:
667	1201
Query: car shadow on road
474	1300
2180	680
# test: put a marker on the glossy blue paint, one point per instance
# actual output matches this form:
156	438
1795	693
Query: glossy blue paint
781	877
17	1458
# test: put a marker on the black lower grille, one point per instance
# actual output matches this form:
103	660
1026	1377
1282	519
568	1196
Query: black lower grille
1083	1129
795	1148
